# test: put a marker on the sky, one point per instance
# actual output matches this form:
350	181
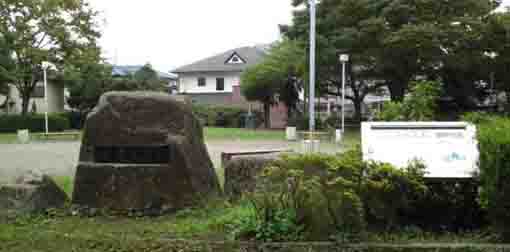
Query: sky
172	33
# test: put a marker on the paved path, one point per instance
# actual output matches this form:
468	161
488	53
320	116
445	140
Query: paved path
60	158
56	158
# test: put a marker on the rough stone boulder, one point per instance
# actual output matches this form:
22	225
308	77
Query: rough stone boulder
143	151
241	173
32	193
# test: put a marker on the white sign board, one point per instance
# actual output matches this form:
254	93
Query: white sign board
448	149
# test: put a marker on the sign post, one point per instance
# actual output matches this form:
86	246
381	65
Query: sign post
344	58
448	149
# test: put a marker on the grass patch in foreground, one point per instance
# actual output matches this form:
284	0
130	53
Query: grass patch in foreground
211	222
109	233
242	134
8	138
65	183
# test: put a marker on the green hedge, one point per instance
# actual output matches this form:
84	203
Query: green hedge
494	140
34	123
222	116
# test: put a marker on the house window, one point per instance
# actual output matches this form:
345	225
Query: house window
201	82
220	84
235	59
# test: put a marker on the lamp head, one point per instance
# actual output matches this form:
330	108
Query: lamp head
344	58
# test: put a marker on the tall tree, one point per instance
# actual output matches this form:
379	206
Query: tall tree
144	79
349	26
497	40
5	63
46	30
87	78
278	78
394	41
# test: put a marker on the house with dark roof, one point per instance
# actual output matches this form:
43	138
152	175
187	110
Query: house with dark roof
216	80
123	71
218	77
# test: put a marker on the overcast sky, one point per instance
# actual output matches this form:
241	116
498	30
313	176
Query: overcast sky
172	33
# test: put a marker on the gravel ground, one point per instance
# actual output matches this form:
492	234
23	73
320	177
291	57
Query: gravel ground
60	158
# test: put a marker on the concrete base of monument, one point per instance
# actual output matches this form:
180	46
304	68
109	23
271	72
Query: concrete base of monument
311	146
142	188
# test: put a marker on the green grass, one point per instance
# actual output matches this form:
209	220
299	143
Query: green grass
243	134
352	136
8	138
66	184
209	133
103	233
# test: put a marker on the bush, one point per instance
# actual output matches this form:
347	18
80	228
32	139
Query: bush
419	105
388	191
494	140
303	123
76	119
478	117
330	194
34	123
392	111
300	189
223	116
334	122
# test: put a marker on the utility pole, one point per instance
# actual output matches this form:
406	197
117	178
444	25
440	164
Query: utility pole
45	66
312	65
344	58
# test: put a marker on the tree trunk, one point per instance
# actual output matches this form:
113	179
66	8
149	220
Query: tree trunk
25	103
507	105
267	115
357	109
397	90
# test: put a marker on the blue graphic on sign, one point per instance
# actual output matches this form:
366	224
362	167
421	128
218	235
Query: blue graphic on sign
455	157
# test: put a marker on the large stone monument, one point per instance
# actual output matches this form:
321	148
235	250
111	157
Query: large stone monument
143	151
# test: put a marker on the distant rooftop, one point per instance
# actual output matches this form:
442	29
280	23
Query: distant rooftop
128	70
235	60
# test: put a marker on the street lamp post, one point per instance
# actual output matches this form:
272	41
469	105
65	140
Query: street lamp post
344	58
312	65
494	96
45	66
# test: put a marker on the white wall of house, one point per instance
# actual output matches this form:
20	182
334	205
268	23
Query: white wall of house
56	100
188	82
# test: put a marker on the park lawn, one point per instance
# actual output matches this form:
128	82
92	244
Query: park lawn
60	231
352	135
8	138
63	232
242	134
209	134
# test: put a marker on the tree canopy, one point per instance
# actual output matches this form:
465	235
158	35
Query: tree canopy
394	42
57	31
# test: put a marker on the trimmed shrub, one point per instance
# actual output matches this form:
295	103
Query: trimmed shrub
478	117
76	119
329	194
388	191
303	123
223	116
448	205
494	140
34	123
